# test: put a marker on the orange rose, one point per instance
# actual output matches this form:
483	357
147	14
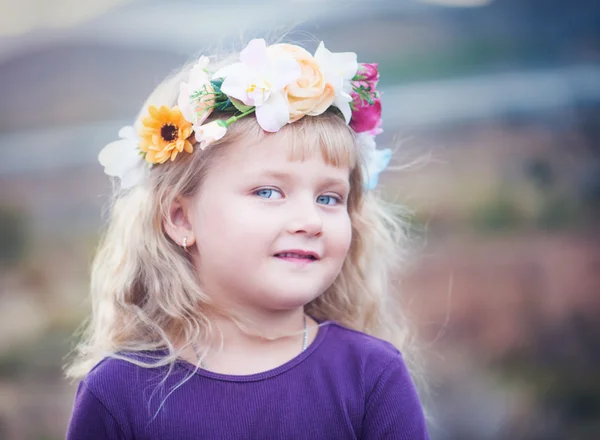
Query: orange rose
310	94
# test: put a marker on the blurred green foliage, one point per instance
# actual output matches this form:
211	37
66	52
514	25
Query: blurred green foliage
561	365
477	56
499	213
13	234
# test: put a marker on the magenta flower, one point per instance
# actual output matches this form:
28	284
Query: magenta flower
369	72
365	116
366	106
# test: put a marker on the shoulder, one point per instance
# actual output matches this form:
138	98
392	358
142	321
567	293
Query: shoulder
101	408
357	344
361	354
115	387
119	383
110	375
391	402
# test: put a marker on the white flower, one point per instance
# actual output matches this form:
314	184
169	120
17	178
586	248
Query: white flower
211	132
338	69
196	110
122	159
258	81
375	160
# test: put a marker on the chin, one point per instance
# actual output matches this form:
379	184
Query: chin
291	298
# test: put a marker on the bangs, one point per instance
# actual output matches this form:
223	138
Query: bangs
325	134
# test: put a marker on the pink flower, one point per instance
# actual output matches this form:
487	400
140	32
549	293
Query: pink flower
366	106
370	72
366	117
196	110
366	77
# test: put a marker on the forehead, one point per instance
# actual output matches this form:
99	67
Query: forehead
277	154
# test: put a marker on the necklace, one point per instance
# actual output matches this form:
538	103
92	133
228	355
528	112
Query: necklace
304	343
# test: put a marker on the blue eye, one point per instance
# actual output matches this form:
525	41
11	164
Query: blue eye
328	200
268	193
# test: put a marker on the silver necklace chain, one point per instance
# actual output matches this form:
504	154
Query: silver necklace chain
304	344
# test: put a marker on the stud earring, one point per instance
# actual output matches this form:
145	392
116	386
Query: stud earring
184	243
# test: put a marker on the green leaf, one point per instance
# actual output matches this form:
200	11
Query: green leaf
216	84
243	108
221	106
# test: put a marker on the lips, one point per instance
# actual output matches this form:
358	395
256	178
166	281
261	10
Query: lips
297	255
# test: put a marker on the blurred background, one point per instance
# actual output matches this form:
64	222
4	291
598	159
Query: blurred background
495	106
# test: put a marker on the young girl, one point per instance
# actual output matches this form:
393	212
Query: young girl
245	276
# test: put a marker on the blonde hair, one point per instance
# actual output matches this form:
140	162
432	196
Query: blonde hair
145	291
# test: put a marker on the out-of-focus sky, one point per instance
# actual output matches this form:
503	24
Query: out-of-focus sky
31	23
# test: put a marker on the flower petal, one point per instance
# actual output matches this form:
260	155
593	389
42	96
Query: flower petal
121	159
235	85
134	177
377	162
164	112
226	71
338	69
285	71
186	131
154	112
128	132
342	101
111	153
150	122
344	64
274	113
209	133
254	54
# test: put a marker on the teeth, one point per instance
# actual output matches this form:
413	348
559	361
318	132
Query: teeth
291	255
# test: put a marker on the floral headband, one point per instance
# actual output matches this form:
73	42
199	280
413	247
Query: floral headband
279	84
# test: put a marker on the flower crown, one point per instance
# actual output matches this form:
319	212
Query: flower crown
280	84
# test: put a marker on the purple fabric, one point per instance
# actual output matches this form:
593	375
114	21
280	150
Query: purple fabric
346	385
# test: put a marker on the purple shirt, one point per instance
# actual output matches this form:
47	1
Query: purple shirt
346	385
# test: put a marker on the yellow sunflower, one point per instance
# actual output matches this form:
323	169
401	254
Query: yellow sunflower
164	134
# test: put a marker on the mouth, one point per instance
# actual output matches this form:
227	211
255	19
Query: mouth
298	256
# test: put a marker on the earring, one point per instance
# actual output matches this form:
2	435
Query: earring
185	243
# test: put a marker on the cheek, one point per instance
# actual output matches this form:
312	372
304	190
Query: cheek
231	226
340	237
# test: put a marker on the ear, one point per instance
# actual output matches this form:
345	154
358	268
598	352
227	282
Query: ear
180	225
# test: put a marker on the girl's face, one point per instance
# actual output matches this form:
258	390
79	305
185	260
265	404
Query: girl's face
272	233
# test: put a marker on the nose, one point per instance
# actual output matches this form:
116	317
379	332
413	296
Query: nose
306	219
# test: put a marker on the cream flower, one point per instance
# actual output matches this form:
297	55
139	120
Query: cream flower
338	69
122	159
309	94
211	132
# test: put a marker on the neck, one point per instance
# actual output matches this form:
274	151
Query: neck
263	341
260	327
